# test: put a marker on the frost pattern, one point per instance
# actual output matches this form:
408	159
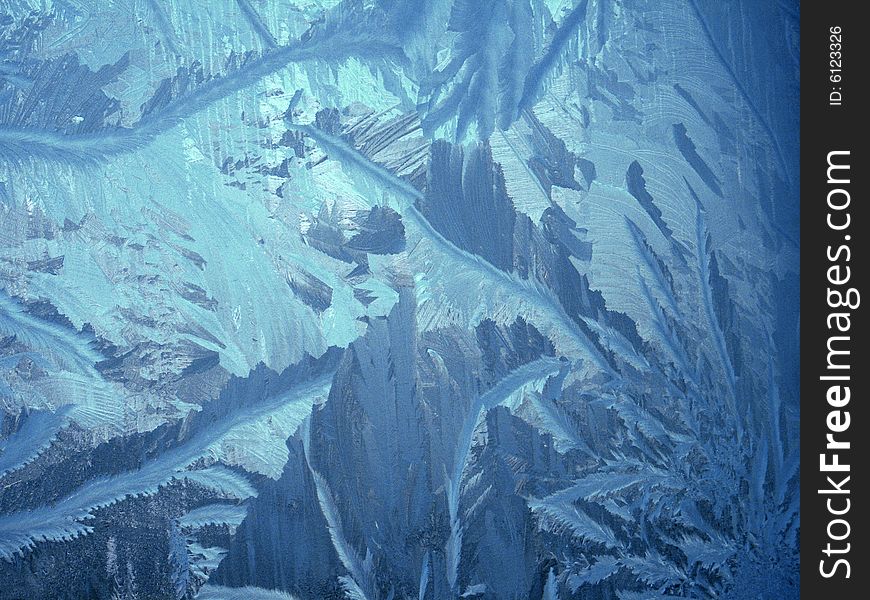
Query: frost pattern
376	299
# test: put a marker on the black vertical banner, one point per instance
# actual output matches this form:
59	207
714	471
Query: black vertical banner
834	344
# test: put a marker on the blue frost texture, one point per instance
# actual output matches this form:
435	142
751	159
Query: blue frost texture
382	299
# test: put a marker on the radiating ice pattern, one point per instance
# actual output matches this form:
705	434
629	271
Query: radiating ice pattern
382	299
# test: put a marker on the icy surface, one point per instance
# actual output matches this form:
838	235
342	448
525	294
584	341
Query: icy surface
393	299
